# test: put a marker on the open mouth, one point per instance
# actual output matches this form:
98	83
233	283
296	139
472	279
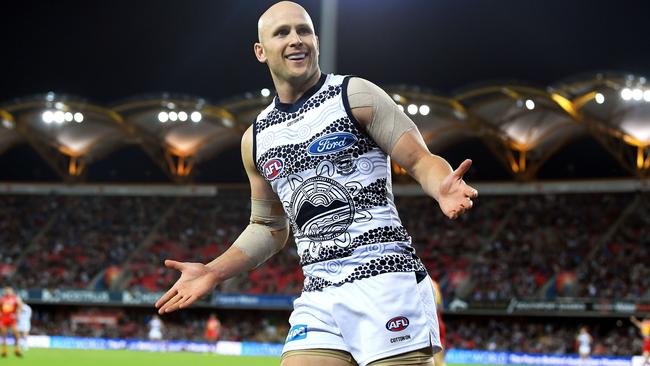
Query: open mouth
296	56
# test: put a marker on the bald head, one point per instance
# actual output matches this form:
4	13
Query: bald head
274	15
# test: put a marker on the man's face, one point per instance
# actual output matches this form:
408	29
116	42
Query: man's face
9	291
288	45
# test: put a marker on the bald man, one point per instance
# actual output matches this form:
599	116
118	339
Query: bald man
318	158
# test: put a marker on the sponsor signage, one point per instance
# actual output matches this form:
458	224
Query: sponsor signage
136	298
253	301
76	296
453	356
456	356
297	332
261	349
331	143
140	298
244	301
543	306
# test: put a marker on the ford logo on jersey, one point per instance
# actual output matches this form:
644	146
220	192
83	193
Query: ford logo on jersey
331	143
298	331
273	167
397	323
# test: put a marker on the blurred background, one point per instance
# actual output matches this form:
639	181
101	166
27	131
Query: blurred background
120	126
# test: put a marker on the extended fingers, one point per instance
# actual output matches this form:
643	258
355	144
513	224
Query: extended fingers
462	206
471	192
187	301
172	304
468	203
173	264
164	298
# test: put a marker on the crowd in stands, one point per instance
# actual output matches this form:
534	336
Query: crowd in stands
449	247
507	246
198	230
88	234
21	218
544	235
619	269
546	336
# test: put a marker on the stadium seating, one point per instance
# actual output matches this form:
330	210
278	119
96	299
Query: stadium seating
508	246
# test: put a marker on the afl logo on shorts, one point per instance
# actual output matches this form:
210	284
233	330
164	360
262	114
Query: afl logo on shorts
272	168
331	143
397	324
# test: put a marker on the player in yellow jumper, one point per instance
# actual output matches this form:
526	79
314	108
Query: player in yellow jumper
644	327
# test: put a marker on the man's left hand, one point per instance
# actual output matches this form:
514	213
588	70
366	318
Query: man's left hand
454	195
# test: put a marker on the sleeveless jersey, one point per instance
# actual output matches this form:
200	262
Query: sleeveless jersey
645	328
584	339
9	305
335	185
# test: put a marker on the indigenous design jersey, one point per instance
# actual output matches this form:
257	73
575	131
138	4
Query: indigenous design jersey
335	186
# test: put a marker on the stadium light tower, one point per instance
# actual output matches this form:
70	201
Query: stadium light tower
327	38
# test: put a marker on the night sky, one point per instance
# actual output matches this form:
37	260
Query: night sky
113	50
108	51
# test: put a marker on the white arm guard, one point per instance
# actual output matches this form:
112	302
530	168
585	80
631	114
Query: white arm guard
267	232
388	122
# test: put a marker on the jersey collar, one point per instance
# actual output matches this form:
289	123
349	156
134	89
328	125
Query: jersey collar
293	107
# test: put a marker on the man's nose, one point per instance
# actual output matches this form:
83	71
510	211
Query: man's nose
295	38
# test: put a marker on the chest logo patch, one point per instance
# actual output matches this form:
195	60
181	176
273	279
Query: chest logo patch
331	143
273	167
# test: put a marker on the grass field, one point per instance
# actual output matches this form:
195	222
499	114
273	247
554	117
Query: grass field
67	357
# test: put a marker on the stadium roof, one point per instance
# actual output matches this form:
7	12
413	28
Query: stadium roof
522	125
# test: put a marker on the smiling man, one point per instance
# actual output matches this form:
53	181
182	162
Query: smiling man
319	156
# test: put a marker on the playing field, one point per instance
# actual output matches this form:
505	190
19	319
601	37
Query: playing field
66	357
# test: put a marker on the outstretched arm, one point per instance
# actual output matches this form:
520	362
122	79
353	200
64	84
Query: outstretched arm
635	321
265	235
398	136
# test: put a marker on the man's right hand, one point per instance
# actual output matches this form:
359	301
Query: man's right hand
196	280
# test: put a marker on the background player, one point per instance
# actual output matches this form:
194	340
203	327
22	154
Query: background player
155	328
212	328
644	327
24	324
11	305
583	341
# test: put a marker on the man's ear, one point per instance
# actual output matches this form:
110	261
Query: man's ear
259	52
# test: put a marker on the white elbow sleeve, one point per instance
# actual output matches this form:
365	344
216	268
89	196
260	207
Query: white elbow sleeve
267	232
388	122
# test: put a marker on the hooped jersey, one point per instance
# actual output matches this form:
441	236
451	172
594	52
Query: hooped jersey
335	185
